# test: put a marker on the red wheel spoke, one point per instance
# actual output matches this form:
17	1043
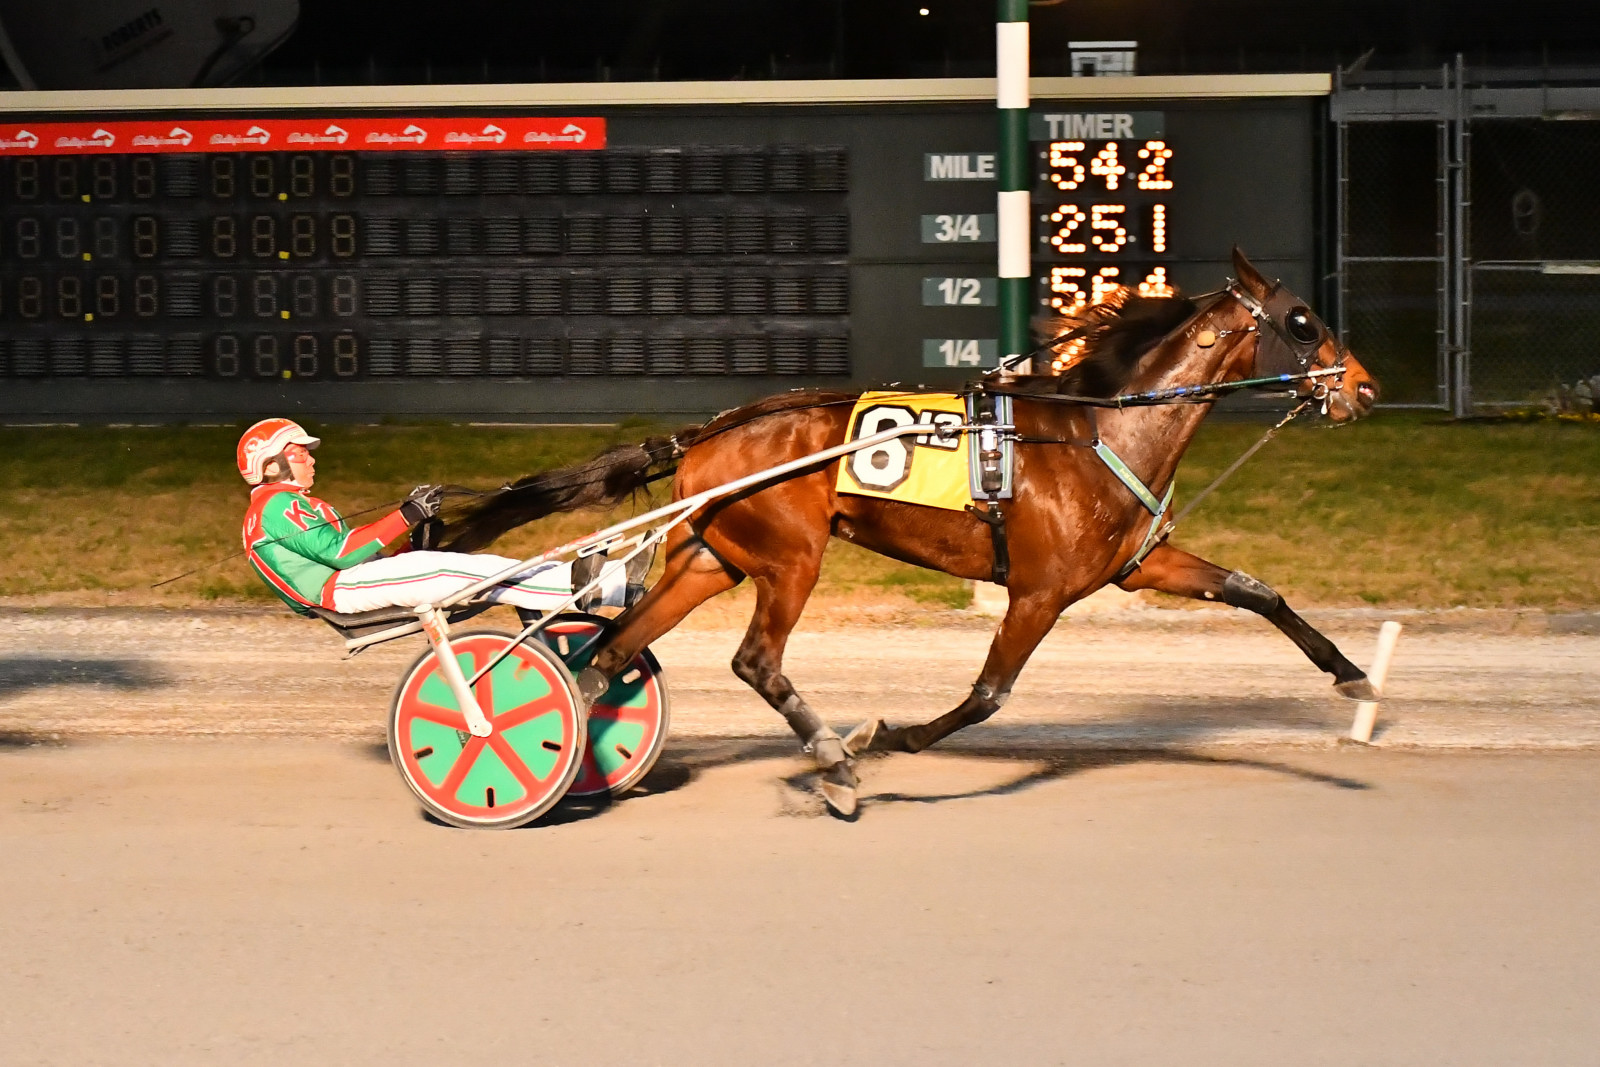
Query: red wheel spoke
450	717
463	764
551	701
619	713
514	764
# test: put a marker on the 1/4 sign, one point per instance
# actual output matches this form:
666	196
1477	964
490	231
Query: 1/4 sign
960	352
957	229
959	292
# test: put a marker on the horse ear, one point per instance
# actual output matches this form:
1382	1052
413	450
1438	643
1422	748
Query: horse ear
1249	277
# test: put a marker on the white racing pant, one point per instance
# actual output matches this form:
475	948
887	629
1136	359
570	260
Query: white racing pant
414	578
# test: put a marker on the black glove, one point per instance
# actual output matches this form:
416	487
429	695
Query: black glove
422	504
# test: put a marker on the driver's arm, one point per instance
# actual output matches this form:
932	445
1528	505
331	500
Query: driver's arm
335	545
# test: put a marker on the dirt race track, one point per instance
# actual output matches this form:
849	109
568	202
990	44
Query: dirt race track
1118	679
1157	853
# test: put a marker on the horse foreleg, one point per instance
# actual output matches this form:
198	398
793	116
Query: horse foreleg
1172	570
1028	618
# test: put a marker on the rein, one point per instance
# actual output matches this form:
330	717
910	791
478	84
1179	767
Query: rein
1183	394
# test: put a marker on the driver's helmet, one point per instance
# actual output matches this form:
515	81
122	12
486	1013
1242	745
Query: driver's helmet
266	441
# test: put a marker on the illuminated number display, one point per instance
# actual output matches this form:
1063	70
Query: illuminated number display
1102	209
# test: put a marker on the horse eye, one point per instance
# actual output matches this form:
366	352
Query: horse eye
1302	326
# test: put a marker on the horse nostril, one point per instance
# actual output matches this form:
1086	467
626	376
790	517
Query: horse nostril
1367	392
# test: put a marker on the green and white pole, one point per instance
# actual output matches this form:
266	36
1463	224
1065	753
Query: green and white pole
1014	214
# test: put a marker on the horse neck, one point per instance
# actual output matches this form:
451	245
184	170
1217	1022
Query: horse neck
1152	440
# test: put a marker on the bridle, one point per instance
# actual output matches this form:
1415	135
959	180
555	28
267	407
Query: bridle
1288	338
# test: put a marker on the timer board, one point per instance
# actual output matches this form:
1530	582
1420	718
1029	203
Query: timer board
1103	210
647	258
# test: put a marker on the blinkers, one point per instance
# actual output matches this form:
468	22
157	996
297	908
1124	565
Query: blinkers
1288	333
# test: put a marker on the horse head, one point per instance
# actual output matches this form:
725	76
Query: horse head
1292	340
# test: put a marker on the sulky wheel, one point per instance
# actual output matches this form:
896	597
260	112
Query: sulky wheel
628	724
516	773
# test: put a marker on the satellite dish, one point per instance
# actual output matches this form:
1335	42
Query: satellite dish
139	44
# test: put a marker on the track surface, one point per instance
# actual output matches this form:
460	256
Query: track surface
270	902
1140	678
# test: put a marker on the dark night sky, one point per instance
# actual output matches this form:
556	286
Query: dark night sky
504	40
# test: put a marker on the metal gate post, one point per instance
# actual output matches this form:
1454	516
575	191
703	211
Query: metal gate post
1460	247
1341	215
1014	213
1444	260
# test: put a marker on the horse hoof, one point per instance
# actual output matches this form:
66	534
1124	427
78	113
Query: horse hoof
861	739
838	786
1357	689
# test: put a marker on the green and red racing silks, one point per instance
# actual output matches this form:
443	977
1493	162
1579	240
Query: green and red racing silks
298	544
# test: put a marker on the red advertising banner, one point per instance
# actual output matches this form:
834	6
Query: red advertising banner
308	134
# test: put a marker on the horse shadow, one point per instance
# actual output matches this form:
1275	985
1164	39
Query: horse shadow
21	674
1170	732
1167	732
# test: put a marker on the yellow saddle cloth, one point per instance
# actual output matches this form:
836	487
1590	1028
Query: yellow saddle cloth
923	469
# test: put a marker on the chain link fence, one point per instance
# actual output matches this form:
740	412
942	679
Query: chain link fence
1391	256
1535	258
1469	266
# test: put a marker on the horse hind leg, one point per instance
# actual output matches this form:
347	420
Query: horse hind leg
1172	570
780	597
692	576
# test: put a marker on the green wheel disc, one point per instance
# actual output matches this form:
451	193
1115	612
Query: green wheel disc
628	724
522	768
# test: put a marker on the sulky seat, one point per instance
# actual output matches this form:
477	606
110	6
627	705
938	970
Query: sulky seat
359	624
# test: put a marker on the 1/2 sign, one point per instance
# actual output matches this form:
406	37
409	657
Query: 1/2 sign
959	292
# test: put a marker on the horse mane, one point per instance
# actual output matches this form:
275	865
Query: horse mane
1113	337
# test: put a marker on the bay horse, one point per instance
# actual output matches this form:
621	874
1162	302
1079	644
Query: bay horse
1072	525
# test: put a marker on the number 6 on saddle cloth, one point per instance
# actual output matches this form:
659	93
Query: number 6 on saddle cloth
940	469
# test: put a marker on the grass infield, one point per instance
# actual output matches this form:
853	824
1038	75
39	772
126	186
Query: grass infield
1402	509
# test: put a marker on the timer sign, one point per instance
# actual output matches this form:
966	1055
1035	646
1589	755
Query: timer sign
1102	207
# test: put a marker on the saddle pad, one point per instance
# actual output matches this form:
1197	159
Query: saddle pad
922	469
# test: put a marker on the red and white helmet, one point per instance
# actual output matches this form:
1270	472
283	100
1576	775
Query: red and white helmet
266	441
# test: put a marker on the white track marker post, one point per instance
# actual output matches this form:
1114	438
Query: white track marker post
1367	710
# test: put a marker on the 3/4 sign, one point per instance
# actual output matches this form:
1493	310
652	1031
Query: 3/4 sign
957	229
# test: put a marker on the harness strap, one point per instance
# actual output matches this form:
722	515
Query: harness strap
1126	476
1136	486
1154	537
995	519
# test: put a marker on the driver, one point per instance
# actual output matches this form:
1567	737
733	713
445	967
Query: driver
311	557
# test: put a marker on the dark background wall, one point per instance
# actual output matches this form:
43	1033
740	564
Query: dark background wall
629	40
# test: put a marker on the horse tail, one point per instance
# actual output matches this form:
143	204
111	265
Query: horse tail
605	480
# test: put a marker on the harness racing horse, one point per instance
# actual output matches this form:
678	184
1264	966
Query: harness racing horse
1073	524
